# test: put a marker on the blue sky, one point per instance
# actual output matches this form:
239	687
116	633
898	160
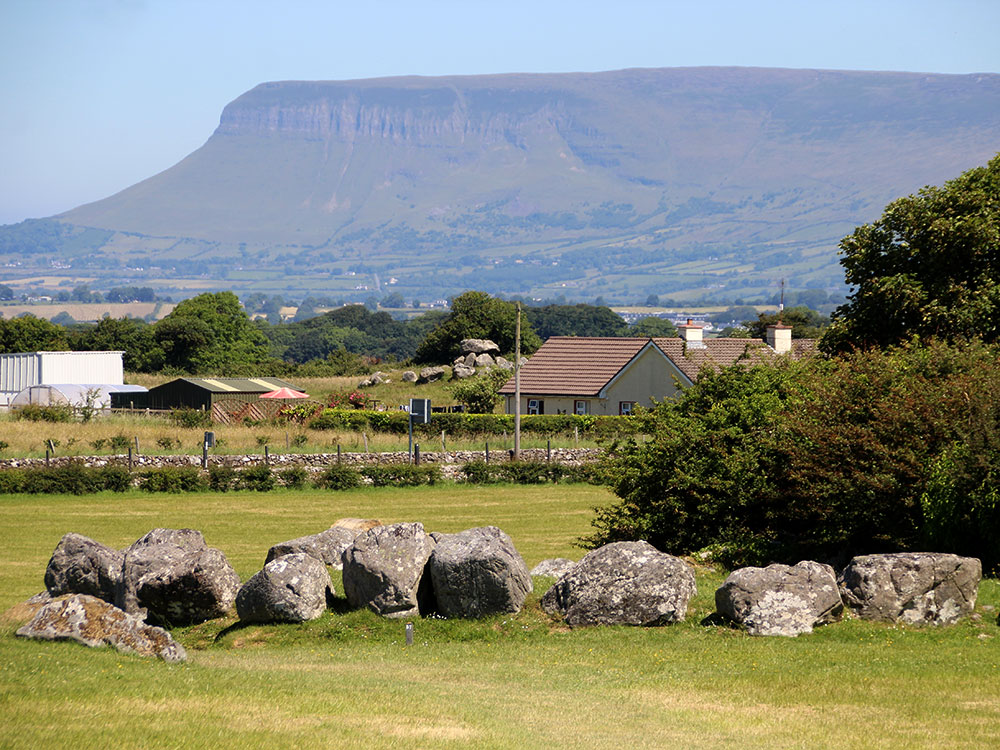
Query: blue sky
100	94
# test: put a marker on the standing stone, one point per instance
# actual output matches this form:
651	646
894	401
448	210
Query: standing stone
554	567
384	570
93	622
478	572
917	588
291	588
172	577
79	565
781	599
623	583
484	360
327	546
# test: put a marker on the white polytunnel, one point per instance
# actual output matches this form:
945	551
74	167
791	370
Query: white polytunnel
71	394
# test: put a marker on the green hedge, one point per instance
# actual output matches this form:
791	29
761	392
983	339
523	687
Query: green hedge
397	422
528	472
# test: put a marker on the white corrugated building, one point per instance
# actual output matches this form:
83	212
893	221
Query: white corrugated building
20	371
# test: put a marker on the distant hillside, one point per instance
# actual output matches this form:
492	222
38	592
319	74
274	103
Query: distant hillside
695	182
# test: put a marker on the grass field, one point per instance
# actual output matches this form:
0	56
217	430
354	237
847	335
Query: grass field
347	680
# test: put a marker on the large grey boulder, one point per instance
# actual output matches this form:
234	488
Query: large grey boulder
781	599
460	372
485	360
79	565
171	576
327	546
291	588
430	374
478	572
93	622
916	588
623	583
384	570
478	346
554	567
409	376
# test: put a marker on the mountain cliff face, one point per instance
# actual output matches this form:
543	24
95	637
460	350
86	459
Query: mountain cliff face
672	180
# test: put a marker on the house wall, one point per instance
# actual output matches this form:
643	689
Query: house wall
650	376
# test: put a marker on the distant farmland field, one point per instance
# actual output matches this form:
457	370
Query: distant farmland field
90	312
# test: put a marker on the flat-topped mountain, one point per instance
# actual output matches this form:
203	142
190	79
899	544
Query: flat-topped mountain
686	182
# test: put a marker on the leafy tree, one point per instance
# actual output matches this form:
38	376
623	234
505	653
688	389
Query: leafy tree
6	292
481	393
30	334
930	266
805	323
134	337
653	327
477	315
211	333
575	320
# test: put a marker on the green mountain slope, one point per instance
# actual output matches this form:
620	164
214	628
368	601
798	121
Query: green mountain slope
680	182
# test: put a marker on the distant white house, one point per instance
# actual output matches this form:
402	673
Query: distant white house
23	370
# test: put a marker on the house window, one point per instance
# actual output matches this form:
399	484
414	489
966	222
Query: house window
625	407
536	406
581	407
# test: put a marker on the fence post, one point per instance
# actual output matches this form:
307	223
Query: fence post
365	436
443	449
416	454
204	455
267	456
548	449
338	454
46	456
137	445
576	436
487	451
130	458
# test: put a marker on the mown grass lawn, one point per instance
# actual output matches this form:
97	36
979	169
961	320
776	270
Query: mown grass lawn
347	680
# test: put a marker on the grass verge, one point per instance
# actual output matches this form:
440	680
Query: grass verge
516	681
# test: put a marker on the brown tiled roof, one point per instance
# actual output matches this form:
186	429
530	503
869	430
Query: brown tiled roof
576	366
582	366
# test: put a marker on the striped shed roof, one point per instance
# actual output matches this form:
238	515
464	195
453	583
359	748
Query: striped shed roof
583	366
238	385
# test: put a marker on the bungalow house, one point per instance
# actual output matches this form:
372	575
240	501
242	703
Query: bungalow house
596	375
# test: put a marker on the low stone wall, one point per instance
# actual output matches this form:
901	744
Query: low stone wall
316	461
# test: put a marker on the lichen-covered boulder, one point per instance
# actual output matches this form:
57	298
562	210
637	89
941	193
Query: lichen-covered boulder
478	346
917	588
478	572
623	583
290	588
170	576
781	599
384	570
431	374
79	565
327	546
93	622
554	567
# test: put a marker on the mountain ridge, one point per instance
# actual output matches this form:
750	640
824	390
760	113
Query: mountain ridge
673	179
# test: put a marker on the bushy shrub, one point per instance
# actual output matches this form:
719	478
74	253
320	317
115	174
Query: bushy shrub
338	478
256	478
40	413
11	481
114	478
172	479
293	477
528	472
479	472
221	478
191	417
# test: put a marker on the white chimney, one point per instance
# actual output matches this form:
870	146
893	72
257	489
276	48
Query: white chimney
779	338
690	331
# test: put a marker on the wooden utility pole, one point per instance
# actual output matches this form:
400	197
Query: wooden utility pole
517	385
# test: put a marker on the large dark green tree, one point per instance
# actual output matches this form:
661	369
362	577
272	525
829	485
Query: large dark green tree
211	334
477	315
31	334
575	320
929	267
134	337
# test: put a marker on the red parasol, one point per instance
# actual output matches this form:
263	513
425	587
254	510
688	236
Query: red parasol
284	393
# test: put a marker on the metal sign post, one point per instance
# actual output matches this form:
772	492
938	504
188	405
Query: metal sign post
420	413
